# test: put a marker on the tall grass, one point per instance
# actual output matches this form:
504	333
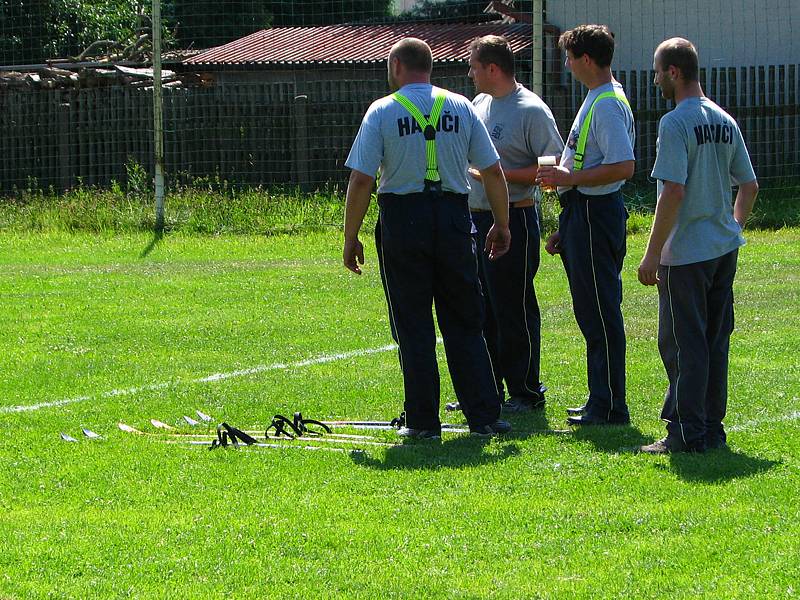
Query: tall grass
215	210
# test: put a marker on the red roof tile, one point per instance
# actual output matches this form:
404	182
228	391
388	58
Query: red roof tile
357	43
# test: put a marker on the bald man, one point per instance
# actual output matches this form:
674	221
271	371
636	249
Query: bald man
420	140
693	248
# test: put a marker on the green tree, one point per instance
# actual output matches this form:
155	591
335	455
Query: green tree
32	31
457	11
206	23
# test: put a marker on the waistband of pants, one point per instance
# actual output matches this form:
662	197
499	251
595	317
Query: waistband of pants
525	203
422	195
574	194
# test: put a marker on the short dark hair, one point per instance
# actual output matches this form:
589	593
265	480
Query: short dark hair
414	54
595	40
494	49
680	53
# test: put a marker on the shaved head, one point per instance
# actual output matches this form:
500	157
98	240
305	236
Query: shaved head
414	54
680	53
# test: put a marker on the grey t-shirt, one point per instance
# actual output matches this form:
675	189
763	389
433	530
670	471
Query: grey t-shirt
611	136
522	129
701	147
391	139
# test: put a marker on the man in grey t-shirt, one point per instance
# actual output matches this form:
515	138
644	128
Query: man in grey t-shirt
693	249
421	138
522	128
597	159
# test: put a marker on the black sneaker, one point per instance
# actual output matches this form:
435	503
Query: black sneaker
419	434
497	428
576	410
518	404
452	406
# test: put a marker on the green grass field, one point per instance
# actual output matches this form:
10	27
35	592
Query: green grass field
97	329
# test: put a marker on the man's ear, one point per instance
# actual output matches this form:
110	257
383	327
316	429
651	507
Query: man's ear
674	72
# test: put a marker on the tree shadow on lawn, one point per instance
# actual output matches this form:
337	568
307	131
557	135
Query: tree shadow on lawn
716	466
449	453
157	237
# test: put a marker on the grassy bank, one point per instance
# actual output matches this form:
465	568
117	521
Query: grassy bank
265	212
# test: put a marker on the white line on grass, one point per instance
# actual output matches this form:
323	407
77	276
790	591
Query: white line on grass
325	358
756	422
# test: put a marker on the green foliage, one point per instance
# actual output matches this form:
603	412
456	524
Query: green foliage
457	11
206	23
35	31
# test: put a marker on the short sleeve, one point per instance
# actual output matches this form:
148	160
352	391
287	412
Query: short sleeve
672	154
367	151
542	133
610	125
741	167
482	153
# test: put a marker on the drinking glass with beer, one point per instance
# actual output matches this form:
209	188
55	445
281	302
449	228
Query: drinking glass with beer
549	193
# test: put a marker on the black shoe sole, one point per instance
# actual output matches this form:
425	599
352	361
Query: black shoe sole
579	421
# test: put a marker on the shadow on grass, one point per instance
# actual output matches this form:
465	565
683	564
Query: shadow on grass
716	466
157	237
612	438
453	453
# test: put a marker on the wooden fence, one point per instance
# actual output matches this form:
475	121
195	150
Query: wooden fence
270	134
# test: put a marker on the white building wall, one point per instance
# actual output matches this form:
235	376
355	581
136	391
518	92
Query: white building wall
727	33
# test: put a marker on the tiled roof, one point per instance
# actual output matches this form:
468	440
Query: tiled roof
357	43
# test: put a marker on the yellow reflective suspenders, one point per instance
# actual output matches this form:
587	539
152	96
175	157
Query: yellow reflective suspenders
428	127
577	165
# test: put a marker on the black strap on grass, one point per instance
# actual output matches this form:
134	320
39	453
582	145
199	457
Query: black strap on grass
399	422
302	424
296	427
228	435
284	427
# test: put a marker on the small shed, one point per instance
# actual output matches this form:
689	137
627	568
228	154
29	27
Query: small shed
306	56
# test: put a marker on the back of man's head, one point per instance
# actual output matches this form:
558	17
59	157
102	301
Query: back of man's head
680	53
494	49
597	41
414	54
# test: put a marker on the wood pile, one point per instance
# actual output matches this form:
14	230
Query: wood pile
46	77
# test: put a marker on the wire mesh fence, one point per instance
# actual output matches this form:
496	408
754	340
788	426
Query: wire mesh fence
271	93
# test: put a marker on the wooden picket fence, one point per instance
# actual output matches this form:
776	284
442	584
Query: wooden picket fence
272	134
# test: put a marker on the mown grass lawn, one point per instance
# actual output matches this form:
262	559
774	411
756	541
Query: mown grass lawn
120	329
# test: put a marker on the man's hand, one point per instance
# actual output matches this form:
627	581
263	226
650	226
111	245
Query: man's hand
554	176
498	241
648	269
474	173
553	245
353	255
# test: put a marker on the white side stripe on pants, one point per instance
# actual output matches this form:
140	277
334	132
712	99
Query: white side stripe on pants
678	356
599	310
524	308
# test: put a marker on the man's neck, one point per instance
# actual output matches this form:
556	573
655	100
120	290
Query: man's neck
415	78
504	88
690	90
599	77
